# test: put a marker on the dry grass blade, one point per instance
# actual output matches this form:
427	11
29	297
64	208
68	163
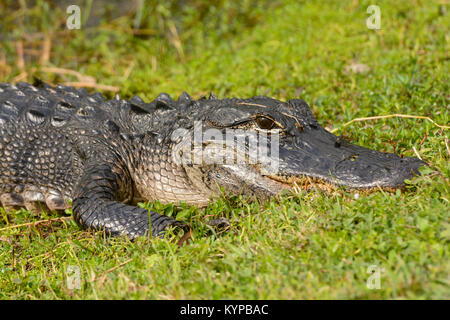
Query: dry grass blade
20	62
446	145
396	115
103	276
20	59
4	67
176	41
83	80
20	77
92	85
46	49
35	223
417	154
63	71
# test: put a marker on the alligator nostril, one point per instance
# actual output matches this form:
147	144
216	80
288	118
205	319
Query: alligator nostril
337	144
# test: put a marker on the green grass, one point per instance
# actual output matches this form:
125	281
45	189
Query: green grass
307	246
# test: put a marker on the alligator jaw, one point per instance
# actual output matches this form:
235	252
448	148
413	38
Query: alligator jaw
302	183
321	159
308	183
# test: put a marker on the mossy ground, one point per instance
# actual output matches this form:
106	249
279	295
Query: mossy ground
307	246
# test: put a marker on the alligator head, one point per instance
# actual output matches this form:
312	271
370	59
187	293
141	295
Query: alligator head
261	146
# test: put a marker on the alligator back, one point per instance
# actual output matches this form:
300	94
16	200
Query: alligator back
59	144
38	131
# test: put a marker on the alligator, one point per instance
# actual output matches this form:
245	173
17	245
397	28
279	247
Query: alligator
62	147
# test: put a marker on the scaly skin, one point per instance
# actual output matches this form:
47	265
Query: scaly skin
59	144
55	147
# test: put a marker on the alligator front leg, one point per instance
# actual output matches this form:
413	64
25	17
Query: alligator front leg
96	206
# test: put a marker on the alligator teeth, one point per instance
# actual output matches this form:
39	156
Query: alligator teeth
303	182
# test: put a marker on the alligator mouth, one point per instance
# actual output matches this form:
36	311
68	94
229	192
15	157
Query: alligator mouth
363	176
302	183
308	183
317	161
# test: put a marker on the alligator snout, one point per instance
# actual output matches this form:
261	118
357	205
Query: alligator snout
320	156
385	171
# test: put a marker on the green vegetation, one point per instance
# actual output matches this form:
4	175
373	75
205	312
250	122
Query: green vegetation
306	246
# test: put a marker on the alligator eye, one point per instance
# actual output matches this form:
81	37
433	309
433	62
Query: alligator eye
265	123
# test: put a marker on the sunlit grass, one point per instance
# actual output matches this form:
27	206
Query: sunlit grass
306	246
